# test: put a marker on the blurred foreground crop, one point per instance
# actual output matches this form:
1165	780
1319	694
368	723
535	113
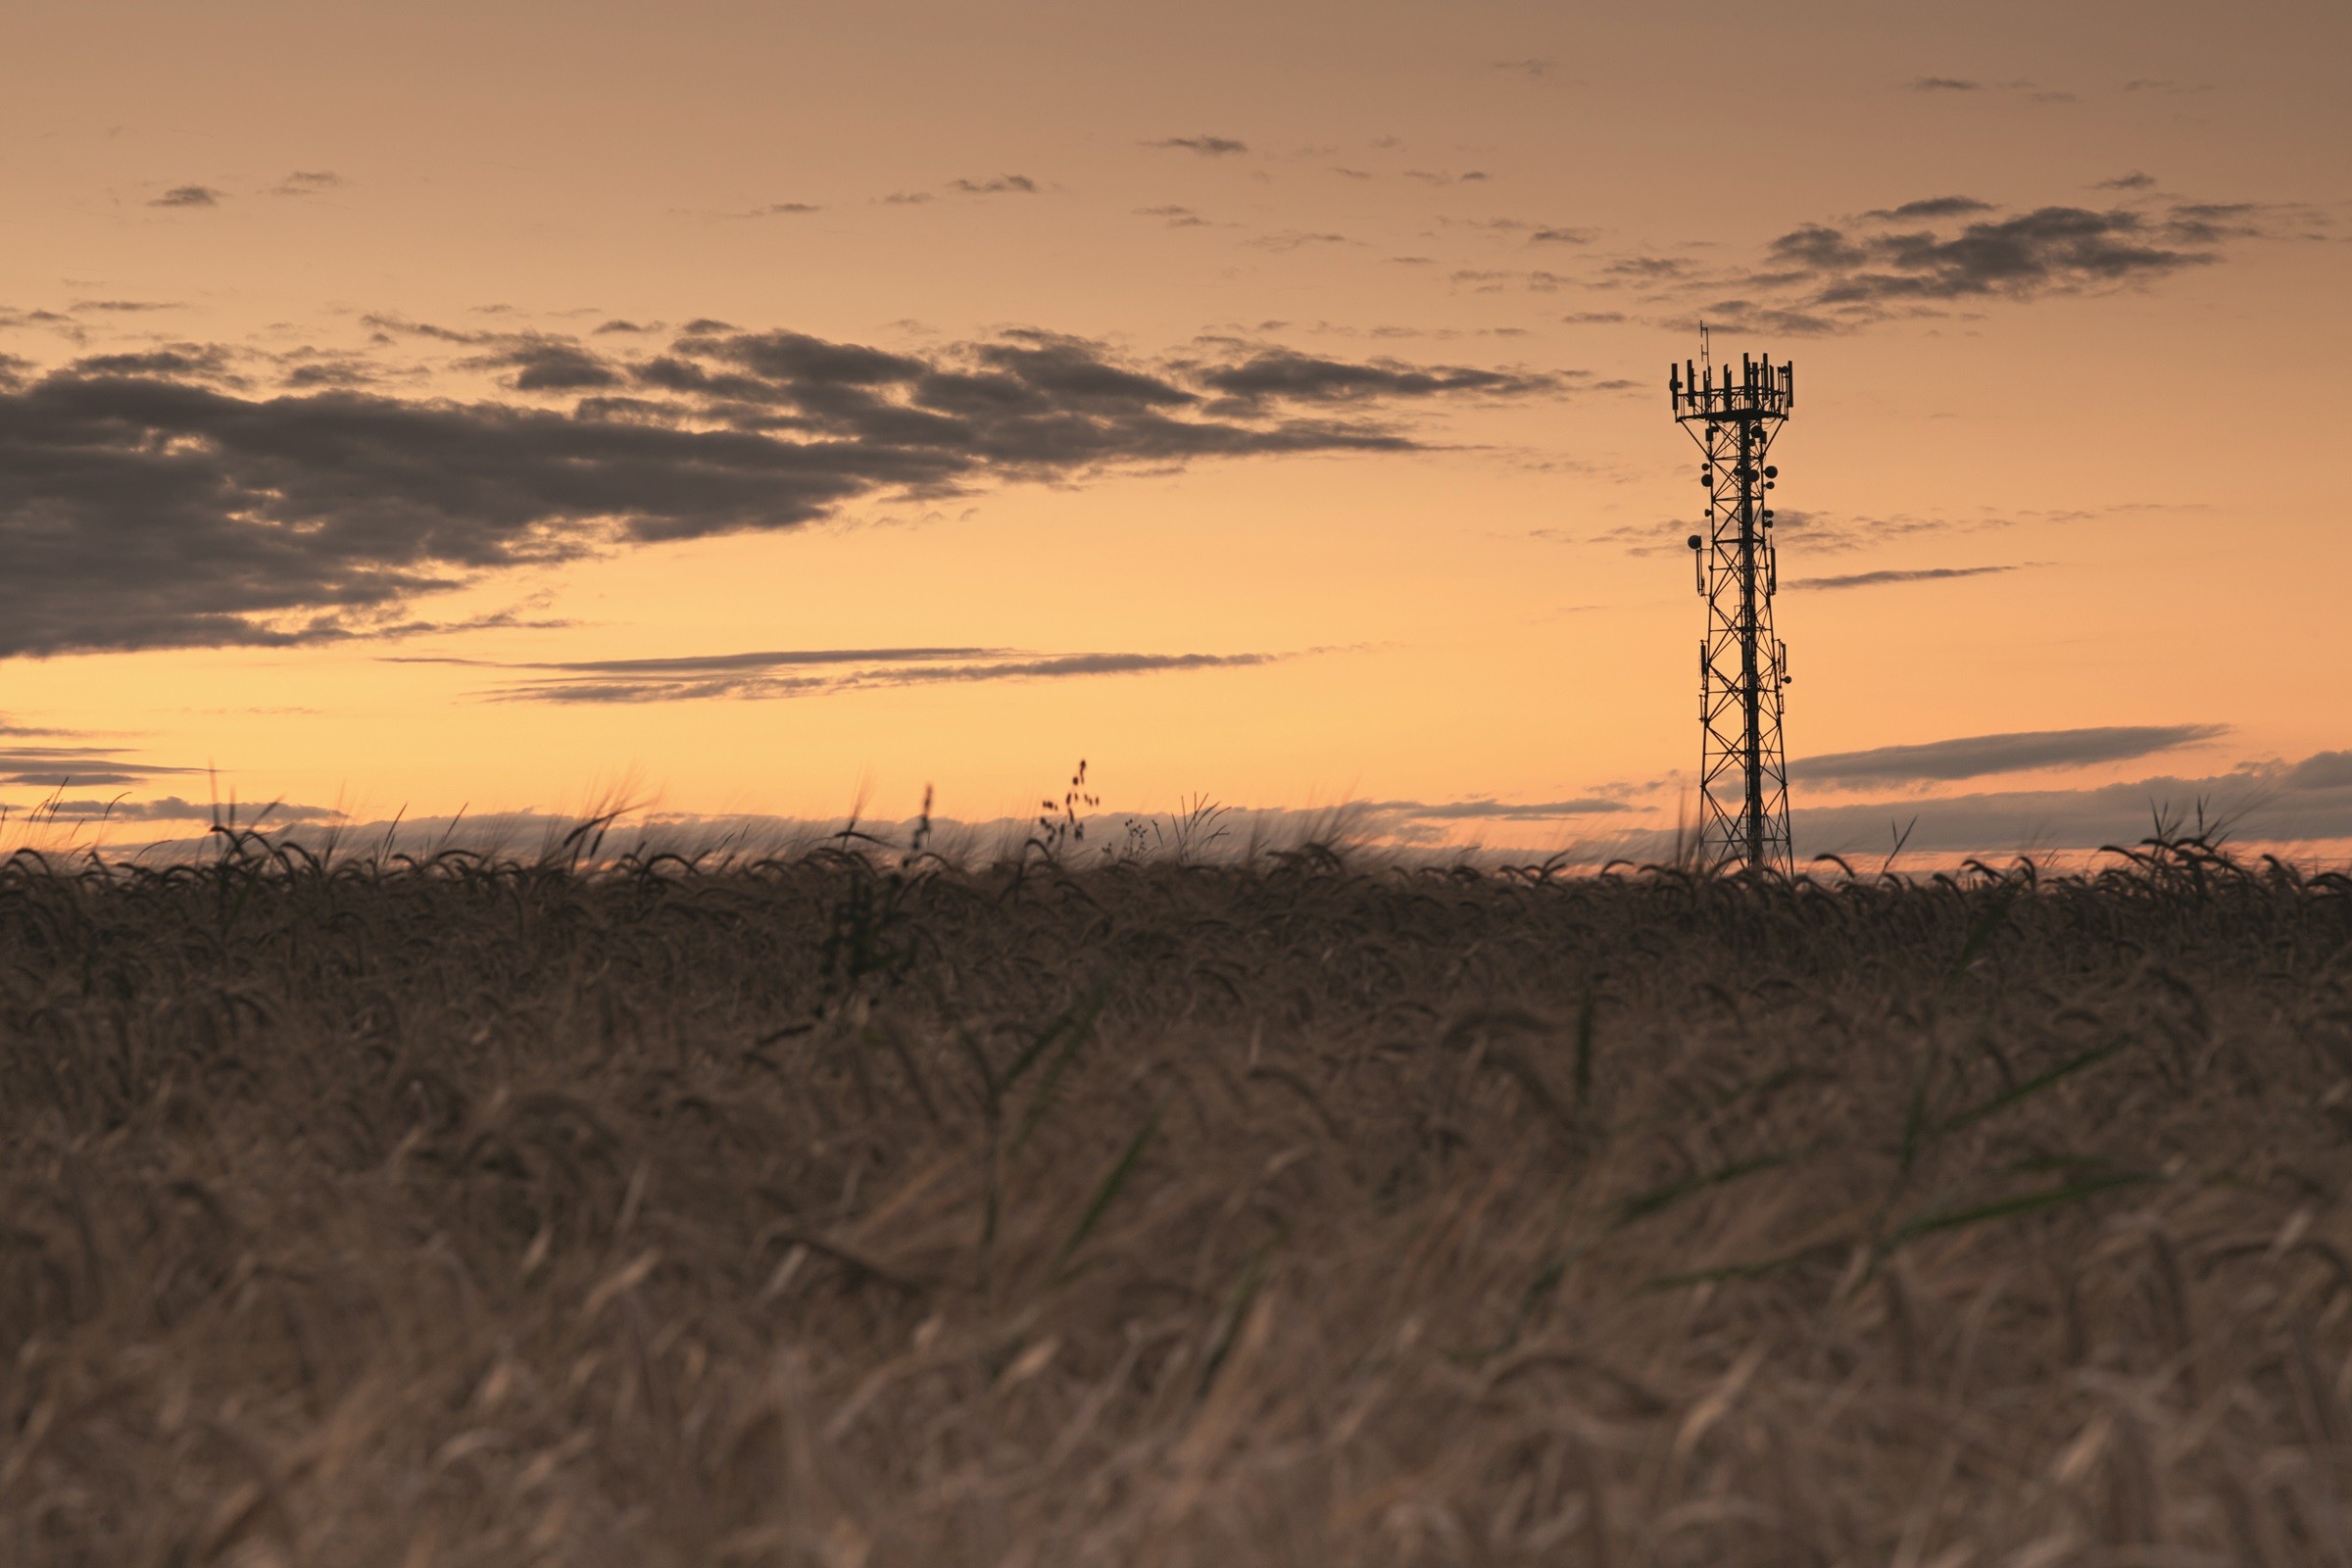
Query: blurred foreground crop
860	1209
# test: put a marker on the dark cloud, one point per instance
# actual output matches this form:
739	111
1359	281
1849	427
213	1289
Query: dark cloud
1437	177
1491	280
129	307
1561	236
172	808
2322	770
2132	181
333	372
1062	664
549	364
1975	756
1002	184
694	665
905	198
1928	257
1175	216
1933	206
1873	579
140	508
1498	811
57	767
12	319
1649	269
1527	67
1294	239
307	182
205	362
1821	533
2307	800
1205	146
1283	374
1635	538
1942	84
500	620
2212	222
771	676
786	210
1821	278
401	326
188	196
1825	533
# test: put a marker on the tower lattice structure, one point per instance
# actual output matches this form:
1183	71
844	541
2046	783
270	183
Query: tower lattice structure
1742	667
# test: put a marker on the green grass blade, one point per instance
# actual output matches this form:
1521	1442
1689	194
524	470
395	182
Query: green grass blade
1584	1049
1108	1191
1985	927
1071	1033
1934	1220
1762	1268
1644	1204
1073	1020
1229	1322
2031	1087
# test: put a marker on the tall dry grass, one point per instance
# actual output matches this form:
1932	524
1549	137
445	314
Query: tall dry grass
856	1209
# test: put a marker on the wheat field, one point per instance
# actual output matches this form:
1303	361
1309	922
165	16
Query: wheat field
855	1207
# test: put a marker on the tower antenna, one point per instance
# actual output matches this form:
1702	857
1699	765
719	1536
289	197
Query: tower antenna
1742	667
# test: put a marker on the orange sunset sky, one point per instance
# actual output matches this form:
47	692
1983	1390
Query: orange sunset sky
423	407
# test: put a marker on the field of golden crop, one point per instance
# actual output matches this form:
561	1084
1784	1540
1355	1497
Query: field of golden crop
852	1209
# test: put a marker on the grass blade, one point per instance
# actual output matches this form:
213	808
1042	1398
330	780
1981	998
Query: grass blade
1583	1049
1106	1193
2031	1087
1644	1204
1934	1220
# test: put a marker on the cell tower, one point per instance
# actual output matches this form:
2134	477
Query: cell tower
1743	775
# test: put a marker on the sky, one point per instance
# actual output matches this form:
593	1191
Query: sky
753	410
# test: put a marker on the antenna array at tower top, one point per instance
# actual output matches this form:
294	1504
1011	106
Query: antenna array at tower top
1761	390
